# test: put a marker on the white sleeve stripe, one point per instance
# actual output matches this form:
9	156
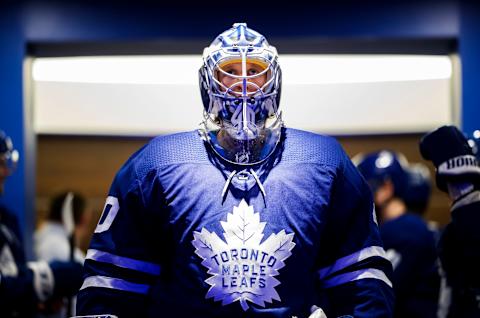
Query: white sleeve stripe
124	262
371	273
114	283
468	199
352	259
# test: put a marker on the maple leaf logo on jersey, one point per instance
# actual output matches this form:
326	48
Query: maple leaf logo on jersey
243	267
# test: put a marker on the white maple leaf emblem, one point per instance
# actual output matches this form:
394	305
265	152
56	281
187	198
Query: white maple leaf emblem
243	267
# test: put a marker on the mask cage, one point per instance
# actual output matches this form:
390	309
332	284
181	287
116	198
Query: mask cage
241	118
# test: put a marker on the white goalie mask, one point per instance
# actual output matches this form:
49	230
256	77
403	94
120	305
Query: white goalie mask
240	84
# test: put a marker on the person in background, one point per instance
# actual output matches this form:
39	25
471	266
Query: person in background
52	241
474	143
417	198
409	243
458	174
419	188
58	236
26	287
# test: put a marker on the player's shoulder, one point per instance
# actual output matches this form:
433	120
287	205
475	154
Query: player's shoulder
412	220
6	214
409	228
164	150
178	146
311	137
301	145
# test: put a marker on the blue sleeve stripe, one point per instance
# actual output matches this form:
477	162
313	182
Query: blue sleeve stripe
124	262
351	259
114	283
371	273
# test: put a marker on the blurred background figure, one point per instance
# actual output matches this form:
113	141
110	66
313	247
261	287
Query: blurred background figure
53	238
401	193
8	161
417	198
26	287
458	174
419	188
57	238
474	143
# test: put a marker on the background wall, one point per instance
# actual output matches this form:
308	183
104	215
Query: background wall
26	24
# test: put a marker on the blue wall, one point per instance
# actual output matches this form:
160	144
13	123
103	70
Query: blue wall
23	23
469	47
12	51
117	20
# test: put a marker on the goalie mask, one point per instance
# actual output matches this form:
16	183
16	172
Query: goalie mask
240	83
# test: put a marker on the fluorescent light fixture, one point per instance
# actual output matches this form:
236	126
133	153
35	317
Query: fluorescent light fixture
332	69
150	95
166	69
297	69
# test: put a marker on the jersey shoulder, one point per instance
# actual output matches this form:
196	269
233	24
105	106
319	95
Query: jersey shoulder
173	149
308	147
303	147
407	228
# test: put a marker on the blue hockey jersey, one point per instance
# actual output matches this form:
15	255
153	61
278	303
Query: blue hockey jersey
17	296
411	247
185	234
460	256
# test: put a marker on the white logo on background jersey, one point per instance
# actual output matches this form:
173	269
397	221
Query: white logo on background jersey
8	267
394	257
243	267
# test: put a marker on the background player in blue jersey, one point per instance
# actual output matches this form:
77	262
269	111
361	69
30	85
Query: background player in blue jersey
409	243
242	218
474	142
458	174
26	287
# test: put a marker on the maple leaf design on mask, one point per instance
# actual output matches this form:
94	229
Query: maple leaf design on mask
243	268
